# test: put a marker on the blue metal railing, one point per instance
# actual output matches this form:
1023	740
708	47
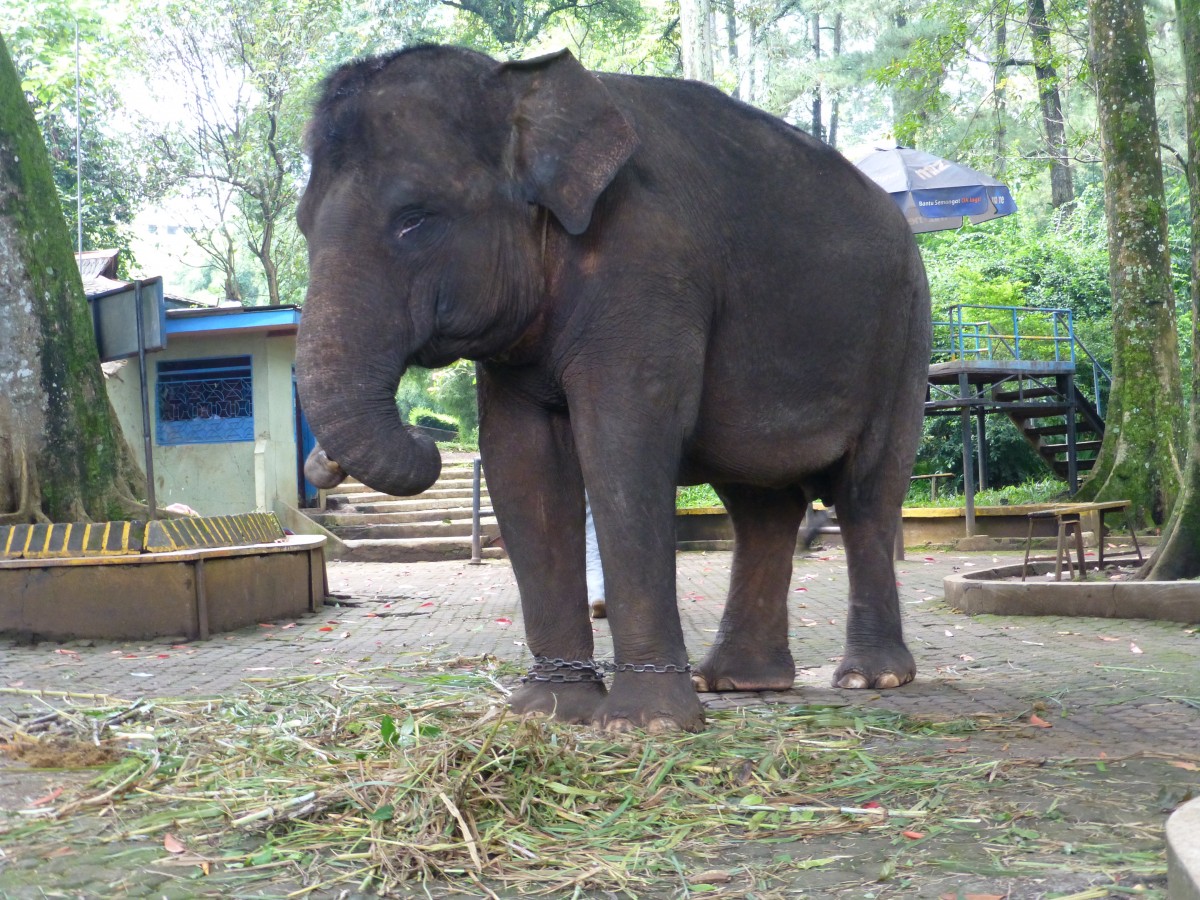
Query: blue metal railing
1015	332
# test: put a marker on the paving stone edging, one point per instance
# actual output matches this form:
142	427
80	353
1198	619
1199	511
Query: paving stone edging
983	592
1183	852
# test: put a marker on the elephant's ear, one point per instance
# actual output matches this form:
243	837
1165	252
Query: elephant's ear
569	137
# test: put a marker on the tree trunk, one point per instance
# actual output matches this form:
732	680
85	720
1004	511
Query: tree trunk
62	455
834	102
1140	458
1000	96
732	50
818	124
1178	555
695	26
1062	188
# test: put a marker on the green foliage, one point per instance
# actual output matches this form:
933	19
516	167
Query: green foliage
430	419
1034	491
41	38
696	496
414	391
454	390
1010	459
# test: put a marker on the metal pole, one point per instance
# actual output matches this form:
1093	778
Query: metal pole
964	392
147	445
476	543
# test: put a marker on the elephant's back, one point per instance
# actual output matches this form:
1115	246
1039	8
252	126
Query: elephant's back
700	141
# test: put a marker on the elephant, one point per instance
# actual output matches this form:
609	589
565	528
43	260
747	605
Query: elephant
322	472
660	286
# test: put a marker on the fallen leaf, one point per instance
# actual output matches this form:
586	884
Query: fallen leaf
64	652
966	657
1180	764
913	835
49	798
426	603
1134	648
715	876
503	623
172	844
325	628
265	625
1037	720
872	804
204	867
1108	639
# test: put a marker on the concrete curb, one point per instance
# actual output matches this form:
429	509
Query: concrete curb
981	592
1183	852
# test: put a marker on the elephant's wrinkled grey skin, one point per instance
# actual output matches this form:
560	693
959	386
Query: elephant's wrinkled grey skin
661	286
321	471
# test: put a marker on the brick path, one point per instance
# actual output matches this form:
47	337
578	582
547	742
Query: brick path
1116	685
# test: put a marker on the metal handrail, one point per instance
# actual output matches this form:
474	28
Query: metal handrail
983	340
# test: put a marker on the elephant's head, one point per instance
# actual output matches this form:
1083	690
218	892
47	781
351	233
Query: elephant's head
425	240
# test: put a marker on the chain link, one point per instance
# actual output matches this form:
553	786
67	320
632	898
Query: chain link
551	669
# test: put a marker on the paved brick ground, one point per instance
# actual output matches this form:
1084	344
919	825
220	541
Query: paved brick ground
1116	685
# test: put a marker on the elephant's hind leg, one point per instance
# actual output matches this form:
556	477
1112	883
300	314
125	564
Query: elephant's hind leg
751	649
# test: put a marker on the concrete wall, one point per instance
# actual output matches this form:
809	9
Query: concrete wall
222	479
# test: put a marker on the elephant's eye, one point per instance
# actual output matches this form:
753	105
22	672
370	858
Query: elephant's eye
409	223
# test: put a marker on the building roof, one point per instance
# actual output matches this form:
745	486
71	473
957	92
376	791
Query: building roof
274	321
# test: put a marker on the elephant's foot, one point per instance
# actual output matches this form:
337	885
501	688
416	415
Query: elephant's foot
650	701
880	669
727	669
573	702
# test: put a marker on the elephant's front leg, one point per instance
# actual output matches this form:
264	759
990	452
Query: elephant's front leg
632	492
537	492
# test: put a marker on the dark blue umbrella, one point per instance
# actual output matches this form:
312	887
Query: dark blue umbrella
934	193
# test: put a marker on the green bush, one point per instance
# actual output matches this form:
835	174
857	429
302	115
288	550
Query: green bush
430	419
453	390
696	496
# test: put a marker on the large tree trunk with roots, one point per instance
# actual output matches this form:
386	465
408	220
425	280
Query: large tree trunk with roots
1140	459
62	455
1179	554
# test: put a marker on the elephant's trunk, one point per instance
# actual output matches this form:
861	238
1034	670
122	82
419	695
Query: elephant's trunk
348	365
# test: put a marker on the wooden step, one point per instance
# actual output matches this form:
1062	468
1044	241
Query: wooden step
1081	428
1027	393
1080	447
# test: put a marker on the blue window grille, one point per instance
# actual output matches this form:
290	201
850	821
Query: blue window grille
205	401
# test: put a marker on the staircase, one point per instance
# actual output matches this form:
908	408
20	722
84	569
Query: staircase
1040	410
434	525
1024	362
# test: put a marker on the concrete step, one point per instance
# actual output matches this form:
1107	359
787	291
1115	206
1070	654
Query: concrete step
375	498
455	473
462	529
401	516
414	550
433	505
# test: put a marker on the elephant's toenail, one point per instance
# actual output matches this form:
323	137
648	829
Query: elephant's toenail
700	683
854	681
661	725
887	680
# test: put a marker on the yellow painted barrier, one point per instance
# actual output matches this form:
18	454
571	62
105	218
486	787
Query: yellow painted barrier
91	539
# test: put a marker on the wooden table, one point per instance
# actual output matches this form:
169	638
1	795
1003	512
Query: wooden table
1069	519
